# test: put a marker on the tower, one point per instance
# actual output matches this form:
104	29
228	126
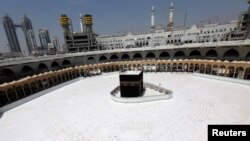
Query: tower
152	18
81	22
29	37
170	25
65	23
10	31
88	22
44	38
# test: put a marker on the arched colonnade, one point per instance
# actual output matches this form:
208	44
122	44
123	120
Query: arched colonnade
15	90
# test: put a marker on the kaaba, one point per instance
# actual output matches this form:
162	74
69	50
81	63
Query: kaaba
131	83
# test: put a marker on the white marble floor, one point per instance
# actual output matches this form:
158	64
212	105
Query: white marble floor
84	111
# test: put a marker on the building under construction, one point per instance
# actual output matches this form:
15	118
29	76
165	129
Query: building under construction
83	41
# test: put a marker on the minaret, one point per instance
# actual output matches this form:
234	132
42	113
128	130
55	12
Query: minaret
81	22
152	18
170	25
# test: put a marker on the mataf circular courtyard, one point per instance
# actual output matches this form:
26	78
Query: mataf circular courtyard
84	111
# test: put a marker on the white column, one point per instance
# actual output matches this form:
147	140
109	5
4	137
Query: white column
153	17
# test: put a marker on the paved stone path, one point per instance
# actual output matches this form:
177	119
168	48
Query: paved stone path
83	111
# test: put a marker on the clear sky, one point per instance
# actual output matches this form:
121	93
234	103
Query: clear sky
112	16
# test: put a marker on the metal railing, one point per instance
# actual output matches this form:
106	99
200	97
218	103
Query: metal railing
146	85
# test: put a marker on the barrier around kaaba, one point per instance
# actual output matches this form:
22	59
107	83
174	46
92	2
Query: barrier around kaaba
156	93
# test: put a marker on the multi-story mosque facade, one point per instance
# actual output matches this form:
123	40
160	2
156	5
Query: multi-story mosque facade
169	36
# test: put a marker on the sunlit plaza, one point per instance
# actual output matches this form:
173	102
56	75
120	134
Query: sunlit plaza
83	110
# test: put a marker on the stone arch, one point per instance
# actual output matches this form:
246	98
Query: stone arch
247	74
150	55
26	70
231	54
196	67
114	57
27	89
137	56
191	67
174	67
202	68
185	67
55	65
139	67
164	55
230	71
7	72
66	63
40	85
179	54
195	54
7	75
91	59
125	57
169	67
20	92
208	69
50	82
11	94
180	67
103	58
221	70
214	70
211	54
239	72
34	87
42	68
